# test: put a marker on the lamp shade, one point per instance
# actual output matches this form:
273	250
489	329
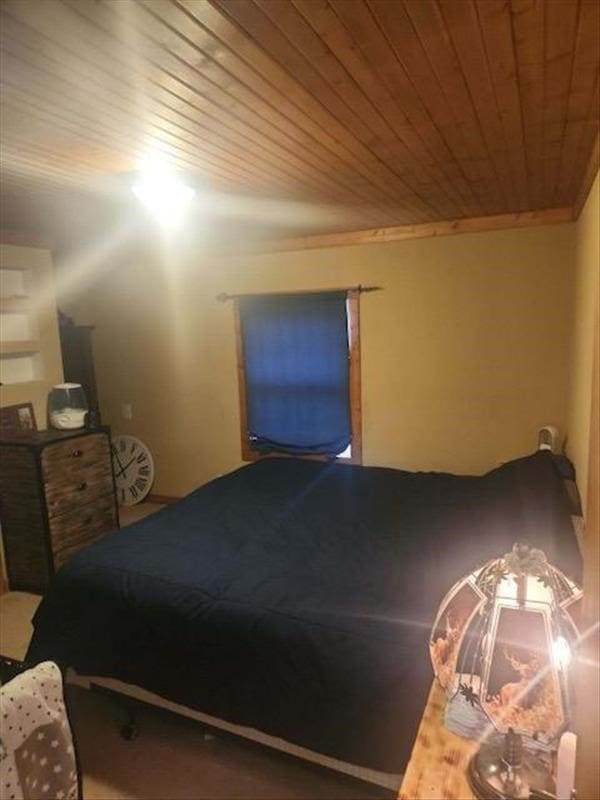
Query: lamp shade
503	639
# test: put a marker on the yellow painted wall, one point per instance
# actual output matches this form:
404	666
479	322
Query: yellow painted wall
464	352
583	447
587	268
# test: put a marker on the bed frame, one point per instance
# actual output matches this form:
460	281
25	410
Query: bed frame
126	690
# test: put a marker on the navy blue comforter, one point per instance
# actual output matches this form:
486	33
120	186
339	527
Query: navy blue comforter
297	597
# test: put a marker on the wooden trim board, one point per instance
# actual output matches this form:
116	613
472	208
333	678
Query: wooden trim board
161	499
247	453
551	216
353	306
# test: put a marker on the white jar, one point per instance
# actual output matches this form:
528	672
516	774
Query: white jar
67	406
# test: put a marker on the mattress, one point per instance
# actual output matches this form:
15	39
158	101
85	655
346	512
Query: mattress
297	597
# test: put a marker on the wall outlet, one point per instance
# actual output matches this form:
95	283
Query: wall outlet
126	410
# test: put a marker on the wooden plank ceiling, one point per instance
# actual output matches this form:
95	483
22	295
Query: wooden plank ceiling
374	112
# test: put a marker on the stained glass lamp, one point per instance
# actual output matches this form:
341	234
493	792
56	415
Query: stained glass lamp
502	643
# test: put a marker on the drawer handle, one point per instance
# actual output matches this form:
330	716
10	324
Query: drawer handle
76	453
81	486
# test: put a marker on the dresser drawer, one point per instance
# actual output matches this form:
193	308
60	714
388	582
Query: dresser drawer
76	529
71	494
71	458
76	473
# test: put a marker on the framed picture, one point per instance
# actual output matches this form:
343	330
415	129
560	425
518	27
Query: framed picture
17	420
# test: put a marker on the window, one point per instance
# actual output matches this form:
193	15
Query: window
299	375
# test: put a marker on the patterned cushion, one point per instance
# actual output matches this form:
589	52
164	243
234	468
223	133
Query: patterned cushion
37	757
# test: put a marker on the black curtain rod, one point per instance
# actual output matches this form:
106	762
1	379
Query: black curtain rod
223	297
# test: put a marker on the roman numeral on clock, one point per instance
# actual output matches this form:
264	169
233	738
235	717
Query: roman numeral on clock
133	468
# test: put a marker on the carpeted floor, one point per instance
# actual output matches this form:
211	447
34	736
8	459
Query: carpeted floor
173	758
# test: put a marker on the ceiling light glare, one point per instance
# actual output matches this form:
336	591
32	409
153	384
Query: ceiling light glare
164	195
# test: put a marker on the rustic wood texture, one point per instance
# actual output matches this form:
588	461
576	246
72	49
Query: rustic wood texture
426	230
354	383
247	453
391	113
23	519
81	526
57	495
76	473
437	769
67	459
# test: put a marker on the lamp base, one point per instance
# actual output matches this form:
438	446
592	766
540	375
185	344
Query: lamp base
494	776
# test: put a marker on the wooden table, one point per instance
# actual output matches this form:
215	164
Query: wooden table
437	769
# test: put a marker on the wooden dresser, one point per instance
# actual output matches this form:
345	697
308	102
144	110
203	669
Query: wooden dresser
57	494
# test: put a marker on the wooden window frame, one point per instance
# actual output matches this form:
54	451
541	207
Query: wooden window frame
354	388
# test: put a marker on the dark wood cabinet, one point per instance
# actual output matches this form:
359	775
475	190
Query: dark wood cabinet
57	495
78	359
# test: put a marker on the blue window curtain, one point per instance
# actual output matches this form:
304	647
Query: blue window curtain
296	362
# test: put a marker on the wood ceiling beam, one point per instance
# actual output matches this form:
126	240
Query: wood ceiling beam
426	230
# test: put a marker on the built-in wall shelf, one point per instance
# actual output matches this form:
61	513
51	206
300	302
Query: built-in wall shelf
14	266
30	360
20	348
17	304
21	362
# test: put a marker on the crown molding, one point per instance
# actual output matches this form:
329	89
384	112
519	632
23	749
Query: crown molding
424	230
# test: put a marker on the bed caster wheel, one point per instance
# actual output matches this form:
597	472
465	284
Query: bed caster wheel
129	732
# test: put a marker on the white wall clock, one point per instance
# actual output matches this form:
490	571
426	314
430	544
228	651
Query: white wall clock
133	466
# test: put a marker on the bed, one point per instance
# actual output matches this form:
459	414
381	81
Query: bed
296	598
